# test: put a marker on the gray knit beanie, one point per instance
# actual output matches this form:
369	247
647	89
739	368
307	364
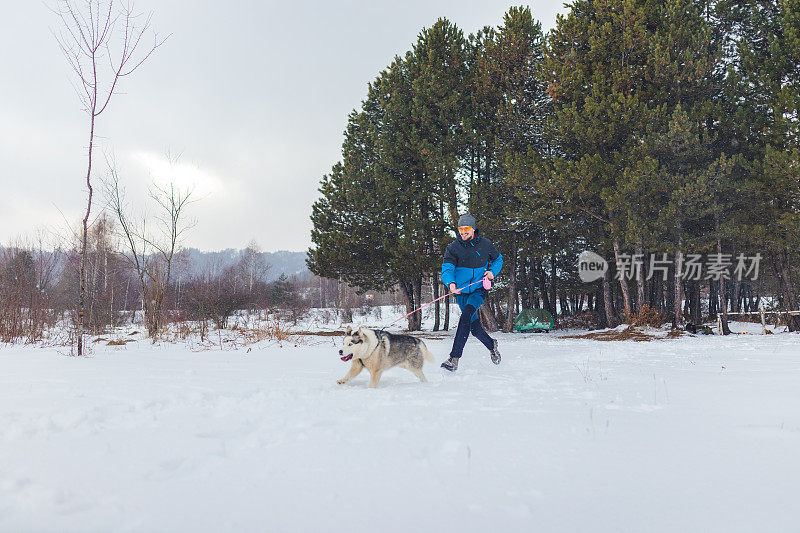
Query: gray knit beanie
467	220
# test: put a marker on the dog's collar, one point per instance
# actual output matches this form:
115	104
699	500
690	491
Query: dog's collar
362	362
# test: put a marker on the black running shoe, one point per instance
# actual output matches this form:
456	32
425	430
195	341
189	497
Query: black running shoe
495	353
451	364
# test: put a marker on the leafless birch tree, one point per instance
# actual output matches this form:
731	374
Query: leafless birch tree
103	42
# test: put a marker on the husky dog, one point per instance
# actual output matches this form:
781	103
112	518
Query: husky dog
378	351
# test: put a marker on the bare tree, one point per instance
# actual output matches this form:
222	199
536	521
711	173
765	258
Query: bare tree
27	271
253	268
151	252
217	297
102	43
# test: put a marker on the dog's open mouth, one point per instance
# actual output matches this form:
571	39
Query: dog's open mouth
347	357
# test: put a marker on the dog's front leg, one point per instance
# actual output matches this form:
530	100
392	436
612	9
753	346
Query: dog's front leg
375	377
355	369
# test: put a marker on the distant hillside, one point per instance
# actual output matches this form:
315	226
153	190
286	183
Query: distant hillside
281	262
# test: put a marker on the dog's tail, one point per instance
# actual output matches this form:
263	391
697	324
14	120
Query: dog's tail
426	354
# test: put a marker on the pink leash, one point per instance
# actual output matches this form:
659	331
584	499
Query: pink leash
487	284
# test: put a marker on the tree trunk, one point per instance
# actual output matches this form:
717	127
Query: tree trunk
447	312
524	282
608	303
736	299
407	290
723	302
623	284
418	301
713	307
487	318
789	297
512	285
564	302
725	329
600	308
640	277
757	303
435	290
553	288
543	289
677	302
82	289
687	299
82	293
656	295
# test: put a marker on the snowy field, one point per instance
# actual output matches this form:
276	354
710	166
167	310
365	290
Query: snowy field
689	434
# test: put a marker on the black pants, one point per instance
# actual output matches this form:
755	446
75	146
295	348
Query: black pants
465	326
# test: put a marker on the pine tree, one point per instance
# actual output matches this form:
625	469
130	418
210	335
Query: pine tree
760	121
509	106
617	71
381	219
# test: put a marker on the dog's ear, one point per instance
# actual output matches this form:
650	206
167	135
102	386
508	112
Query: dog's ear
349	330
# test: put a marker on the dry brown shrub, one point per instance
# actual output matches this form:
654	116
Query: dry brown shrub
119	342
179	331
675	334
270	329
646	316
184	330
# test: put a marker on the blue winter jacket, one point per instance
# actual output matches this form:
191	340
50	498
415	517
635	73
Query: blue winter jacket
466	262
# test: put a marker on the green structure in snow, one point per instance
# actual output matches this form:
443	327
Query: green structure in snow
535	320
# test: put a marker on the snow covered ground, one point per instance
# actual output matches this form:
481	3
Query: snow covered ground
690	434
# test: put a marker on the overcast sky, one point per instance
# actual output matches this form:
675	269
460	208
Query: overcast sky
253	96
